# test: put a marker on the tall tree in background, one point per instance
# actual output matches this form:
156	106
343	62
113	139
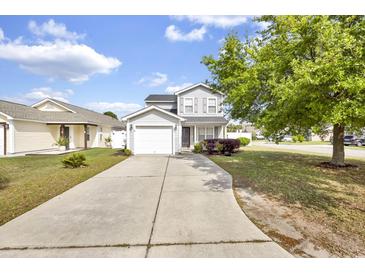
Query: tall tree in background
111	114
302	72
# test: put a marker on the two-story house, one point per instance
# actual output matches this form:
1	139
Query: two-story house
171	123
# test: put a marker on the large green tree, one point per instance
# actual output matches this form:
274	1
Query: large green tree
300	73
111	114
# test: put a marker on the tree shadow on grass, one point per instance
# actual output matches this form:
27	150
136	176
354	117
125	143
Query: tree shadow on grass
292	177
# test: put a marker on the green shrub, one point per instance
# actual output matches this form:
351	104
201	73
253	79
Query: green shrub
62	141
127	152
74	161
220	148
198	148
108	141
3	181
244	141
300	138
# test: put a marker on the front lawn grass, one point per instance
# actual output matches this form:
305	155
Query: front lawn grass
32	180
334	198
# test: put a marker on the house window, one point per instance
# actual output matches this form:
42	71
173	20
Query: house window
205	133
209	133
201	134
188	105
212	105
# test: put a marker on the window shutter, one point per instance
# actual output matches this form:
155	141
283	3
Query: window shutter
181	105
219	104
196	105
204	105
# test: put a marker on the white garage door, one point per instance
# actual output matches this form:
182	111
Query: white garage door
1	140
153	140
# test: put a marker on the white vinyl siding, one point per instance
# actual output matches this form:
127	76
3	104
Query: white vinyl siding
201	101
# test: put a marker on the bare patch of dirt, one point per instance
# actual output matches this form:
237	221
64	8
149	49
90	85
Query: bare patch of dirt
300	234
332	166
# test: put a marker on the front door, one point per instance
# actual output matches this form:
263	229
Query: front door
66	134
185	137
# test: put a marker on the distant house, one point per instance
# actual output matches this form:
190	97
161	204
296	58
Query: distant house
32	128
171	123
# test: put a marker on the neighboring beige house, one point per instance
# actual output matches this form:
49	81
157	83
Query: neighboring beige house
25	129
171	123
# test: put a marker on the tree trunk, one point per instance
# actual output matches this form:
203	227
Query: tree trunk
338	152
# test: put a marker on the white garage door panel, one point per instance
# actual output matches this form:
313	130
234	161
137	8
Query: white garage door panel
1	140
153	140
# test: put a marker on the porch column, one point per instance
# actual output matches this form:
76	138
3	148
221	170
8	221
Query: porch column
62	131
5	144
12	136
194	134
85	136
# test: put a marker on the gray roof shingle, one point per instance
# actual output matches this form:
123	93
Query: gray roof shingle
82	115
161	98
205	120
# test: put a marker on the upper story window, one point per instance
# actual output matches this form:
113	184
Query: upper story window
188	105
212	105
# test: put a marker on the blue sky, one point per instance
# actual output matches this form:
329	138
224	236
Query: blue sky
108	62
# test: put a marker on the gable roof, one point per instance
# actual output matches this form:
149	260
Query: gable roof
149	108
161	98
54	101
78	115
194	86
90	114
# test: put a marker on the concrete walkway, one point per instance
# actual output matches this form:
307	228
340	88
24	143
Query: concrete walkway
146	206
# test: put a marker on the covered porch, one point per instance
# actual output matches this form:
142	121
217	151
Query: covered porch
195	133
80	135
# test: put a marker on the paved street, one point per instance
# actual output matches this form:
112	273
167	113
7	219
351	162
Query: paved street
322	149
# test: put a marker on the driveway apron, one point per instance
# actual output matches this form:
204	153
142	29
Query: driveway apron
145	206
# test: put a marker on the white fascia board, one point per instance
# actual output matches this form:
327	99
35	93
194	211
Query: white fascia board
146	109
194	86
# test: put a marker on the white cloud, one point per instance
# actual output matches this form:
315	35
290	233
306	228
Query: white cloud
37	94
221	41
172	33
59	59
114	106
155	80
173	89
63	58
2	36
51	28
218	21
263	25
47	92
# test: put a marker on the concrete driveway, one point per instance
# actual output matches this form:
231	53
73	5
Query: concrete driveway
146	206
350	152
